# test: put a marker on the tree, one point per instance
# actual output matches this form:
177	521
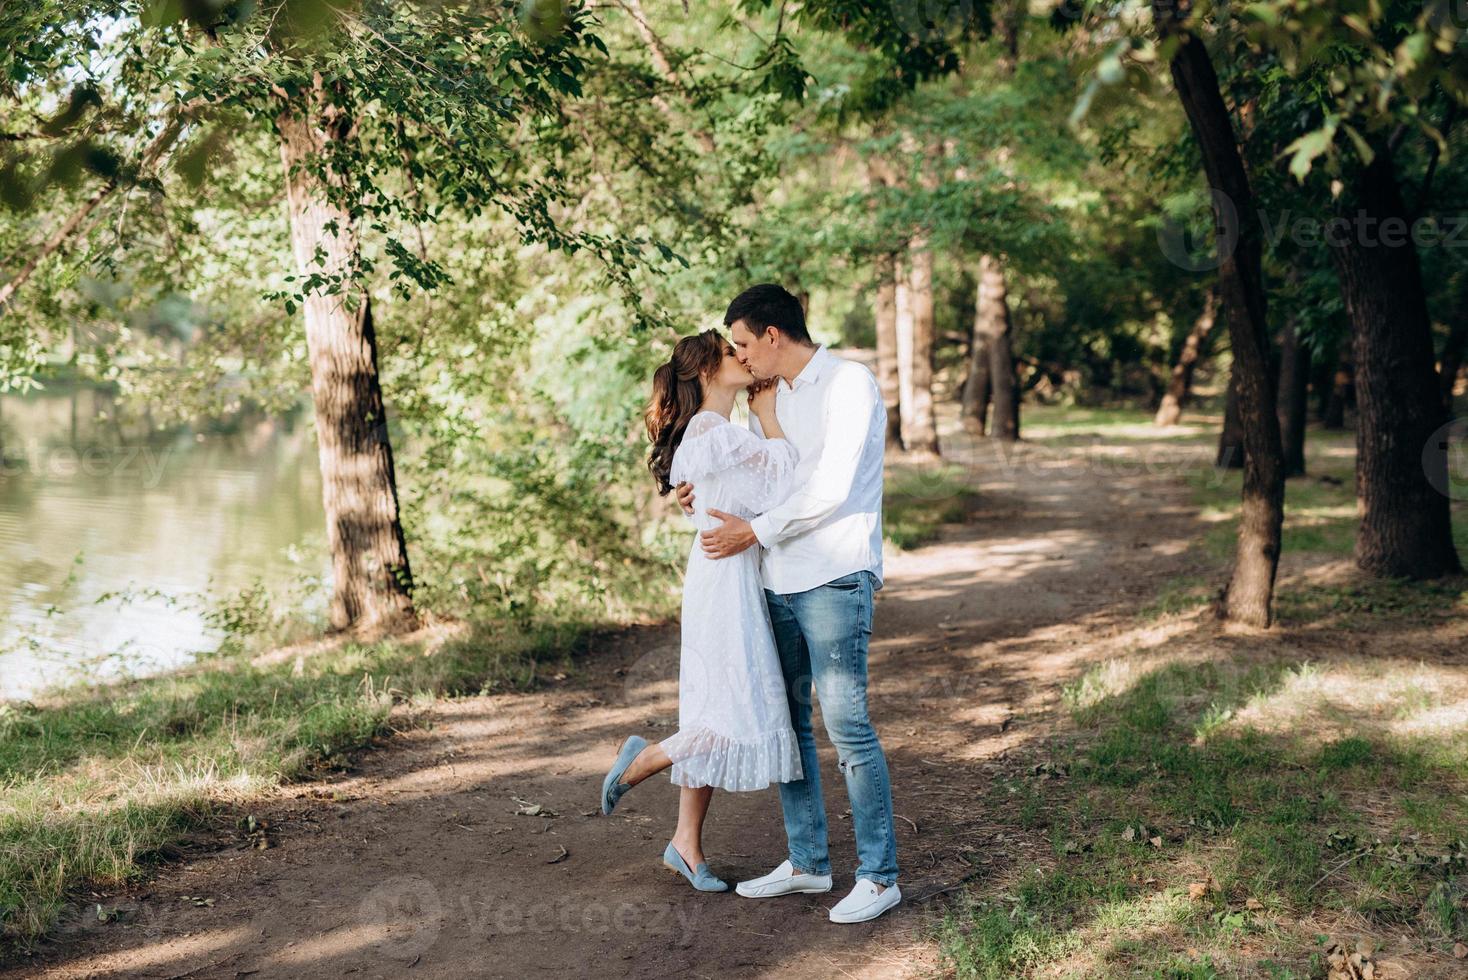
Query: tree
906	347
1390	70
920	435
385	118
884	308
1406	526
1450	364
992	322
1180	385
1293	400
372	581
1247	597
974	406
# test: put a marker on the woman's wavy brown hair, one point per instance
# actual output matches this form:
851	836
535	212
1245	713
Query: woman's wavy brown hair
677	394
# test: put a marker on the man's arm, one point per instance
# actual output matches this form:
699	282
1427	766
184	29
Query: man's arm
850	409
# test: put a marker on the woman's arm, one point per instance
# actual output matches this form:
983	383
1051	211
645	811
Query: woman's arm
762	404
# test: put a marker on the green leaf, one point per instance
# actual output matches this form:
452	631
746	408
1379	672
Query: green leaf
1310	146
1363	148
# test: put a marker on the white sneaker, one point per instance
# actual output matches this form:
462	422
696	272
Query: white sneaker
783	881
865	902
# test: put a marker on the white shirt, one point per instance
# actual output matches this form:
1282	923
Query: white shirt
831	525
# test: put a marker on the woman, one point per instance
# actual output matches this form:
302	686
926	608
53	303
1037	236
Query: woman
733	720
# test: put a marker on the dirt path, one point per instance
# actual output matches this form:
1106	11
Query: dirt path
417	863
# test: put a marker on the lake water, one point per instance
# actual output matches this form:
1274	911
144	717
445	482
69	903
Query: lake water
89	506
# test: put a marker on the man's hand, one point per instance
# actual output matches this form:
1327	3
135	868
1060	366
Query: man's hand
733	537
685	497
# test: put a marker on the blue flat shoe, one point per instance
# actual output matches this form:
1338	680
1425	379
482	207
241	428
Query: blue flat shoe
612	787
702	879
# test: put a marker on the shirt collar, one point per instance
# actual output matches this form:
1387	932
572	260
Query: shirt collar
811	373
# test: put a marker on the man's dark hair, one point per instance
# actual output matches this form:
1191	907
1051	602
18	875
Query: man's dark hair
769	305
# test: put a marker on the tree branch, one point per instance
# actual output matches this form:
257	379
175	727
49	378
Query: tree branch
664	66
160	145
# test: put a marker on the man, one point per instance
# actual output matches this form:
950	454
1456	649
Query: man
821	566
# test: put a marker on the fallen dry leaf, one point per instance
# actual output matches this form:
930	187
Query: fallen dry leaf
1253	904
1341	965
1197	889
529	809
1460	952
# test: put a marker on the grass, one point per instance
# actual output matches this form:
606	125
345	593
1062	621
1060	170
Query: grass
1062	425
1320	521
1320	507
919	500
1216	775
97	781
1225	809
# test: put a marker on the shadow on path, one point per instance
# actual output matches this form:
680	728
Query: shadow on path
418	863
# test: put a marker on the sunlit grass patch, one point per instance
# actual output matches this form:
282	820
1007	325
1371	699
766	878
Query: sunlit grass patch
1062	425
919	500
1213	812
1320	515
1321	521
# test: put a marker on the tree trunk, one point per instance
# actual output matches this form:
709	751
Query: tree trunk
1401	454
878	174
1322	377
1231	438
992	320
921	434
1180	387
1452	359
372	583
1342	387
1294	399
885	312
1248	595
1009	18
902	309
977	389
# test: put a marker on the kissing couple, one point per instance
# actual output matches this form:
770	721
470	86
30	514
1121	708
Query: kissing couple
777	598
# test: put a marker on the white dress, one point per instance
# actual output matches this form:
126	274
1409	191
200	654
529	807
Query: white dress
733	720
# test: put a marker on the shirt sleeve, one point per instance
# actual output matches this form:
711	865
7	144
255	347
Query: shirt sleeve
849	413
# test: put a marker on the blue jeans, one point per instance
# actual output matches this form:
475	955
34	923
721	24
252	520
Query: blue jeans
822	638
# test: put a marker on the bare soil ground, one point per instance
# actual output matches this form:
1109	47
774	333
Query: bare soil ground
421	861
